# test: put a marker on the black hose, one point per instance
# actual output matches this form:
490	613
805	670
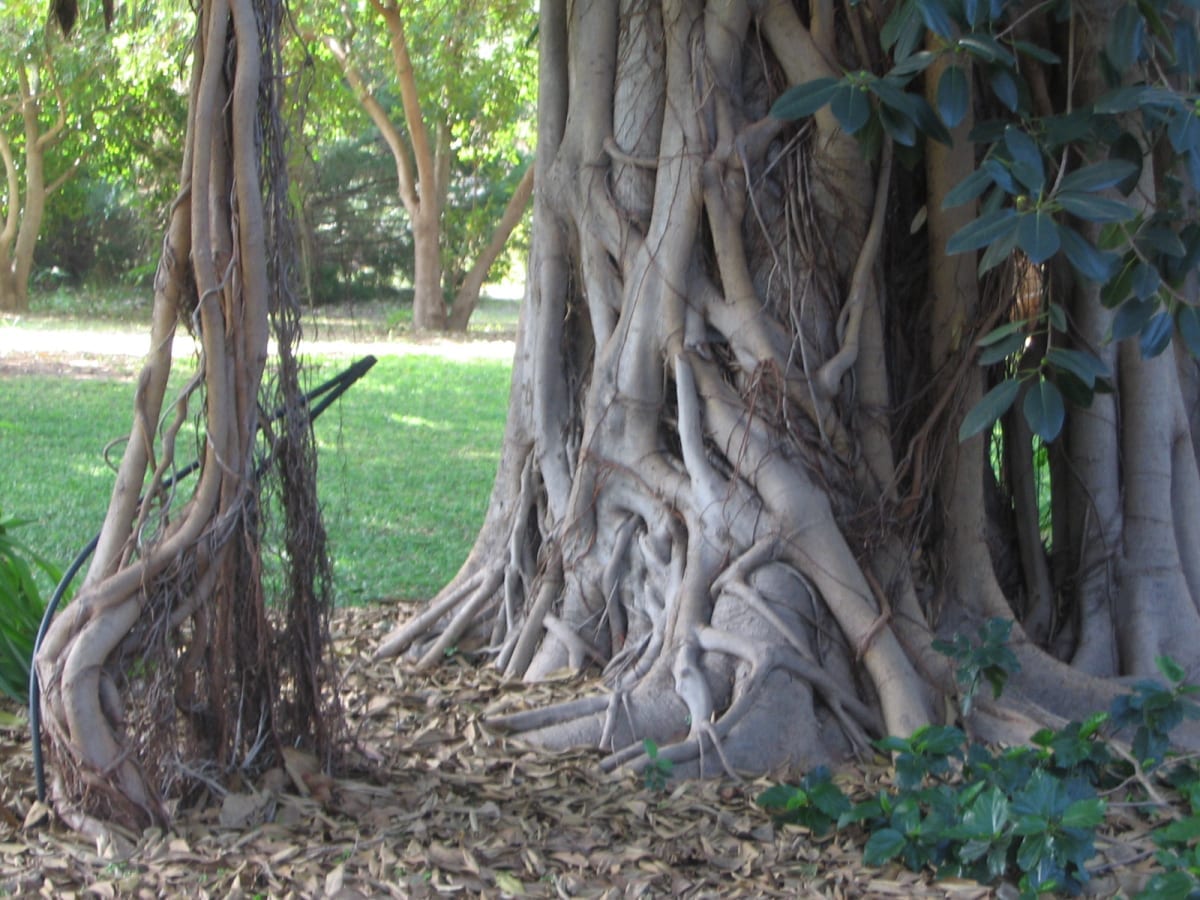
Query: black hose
328	393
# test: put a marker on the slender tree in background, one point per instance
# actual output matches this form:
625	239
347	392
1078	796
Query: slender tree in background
166	671
473	77
34	109
813	288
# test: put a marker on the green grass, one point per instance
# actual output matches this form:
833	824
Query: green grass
406	462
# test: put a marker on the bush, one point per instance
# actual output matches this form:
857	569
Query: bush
21	608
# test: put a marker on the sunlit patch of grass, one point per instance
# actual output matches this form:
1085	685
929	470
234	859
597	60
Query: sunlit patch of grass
406	460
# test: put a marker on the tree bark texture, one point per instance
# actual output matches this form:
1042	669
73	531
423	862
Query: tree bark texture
166	673
731	484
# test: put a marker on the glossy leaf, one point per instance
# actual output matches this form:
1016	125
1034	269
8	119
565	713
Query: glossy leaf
953	96
851	107
1126	36
1044	410
1131	317
1090	262
968	189
936	17
994	404
805	99
1002	349
883	846
1126	147
1027	159
1098	176
1156	334
1080	363
986	48
1037	235
1004	86
1092	208
1146	281
983	231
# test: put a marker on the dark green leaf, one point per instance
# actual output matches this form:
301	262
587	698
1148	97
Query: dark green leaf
1187	53
1091	208
936	17
1187	319
953	96
829	799
1160	238
903	31
851	107
1131	317
1171	670
1087	813
1002	349
1001	174
1098	176
1095	265
1034	847
986	48
1004	86
805	99
968	189
1146	281
1127	148
994	404
1027	159
899	127
883	846
1181	831
1044	410
983	231
1000	332
1183	130
1126	35
1041	54
913	65
1058	316
1037	235
1083	365
997	252
1119	287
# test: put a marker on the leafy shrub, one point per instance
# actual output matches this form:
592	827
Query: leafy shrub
21	608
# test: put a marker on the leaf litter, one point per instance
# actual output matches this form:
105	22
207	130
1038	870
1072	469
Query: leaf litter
441	806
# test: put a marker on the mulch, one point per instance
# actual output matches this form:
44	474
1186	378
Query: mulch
441	806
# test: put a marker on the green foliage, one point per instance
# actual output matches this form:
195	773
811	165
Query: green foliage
21	608
1153	710
988	658
658	770
1048	181
1025	815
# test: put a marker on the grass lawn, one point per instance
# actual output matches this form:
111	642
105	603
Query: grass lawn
406	462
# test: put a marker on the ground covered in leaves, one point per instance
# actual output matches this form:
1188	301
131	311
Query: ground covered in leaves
441	806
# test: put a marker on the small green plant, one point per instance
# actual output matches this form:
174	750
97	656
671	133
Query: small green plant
985	659
816	803
21	608
1152	710
658	770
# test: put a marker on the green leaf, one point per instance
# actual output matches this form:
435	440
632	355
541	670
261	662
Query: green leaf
1037	235
953	95
1044	410
1041	54
1183	130
1027	159
1187	320
851	107
805	99
1080	363
1092	208
1093	264
986	48
991	407
967	189
1131	317
1087	813
1181	831
1126	36
1001	350
936	18
1120	287
912	65
1171	670
1127	148
883	846
1004	86
1098	176
1146	281
899	127
983	231
997	252
1056	314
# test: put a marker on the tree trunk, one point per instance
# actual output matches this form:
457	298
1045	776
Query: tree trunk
167	672
731	483
429	304
467	296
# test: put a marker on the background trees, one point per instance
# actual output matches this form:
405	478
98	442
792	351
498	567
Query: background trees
449	98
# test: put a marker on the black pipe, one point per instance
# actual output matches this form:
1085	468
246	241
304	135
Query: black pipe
334	388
